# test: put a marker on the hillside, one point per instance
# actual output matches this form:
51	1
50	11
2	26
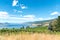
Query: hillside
39	22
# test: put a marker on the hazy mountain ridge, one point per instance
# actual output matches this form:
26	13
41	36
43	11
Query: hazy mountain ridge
11	25
39	22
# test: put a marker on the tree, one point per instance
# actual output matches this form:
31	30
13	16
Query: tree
58	24
55	24
50	26
22	27
27	27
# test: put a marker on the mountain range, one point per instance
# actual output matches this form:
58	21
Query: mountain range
15	25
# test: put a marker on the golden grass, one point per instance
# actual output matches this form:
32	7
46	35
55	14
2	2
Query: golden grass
32	36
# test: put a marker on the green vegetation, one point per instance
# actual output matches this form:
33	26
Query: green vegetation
20	30
37	29
58	24
55	24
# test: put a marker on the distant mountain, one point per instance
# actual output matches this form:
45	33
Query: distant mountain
15	25
39	22
42	23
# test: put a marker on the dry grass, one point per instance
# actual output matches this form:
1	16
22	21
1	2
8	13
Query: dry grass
31	36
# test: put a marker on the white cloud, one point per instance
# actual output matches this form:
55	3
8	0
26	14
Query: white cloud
3	14
40	18
49	18
29	16
19	11
19	19
23	6
5	17
14	2
55	13
14	10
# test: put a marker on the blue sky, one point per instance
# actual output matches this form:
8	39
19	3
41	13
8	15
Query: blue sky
19	11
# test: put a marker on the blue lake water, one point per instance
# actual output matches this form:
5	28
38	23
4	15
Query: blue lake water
13	25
